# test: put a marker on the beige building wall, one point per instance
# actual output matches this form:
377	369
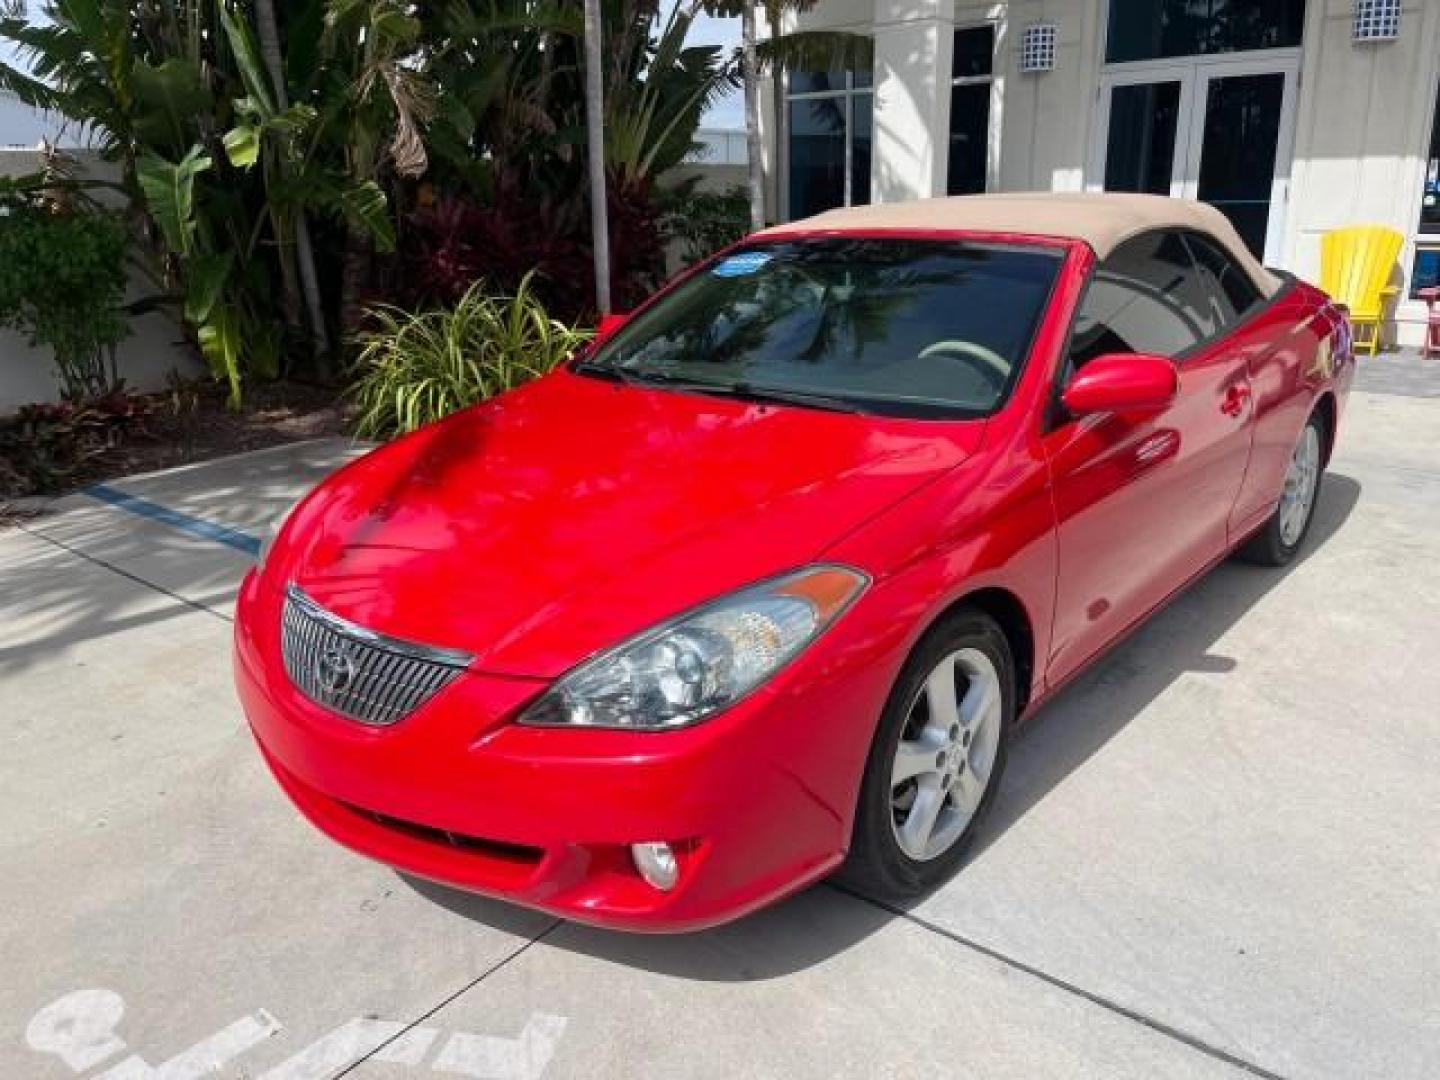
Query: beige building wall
1046	118
1359	136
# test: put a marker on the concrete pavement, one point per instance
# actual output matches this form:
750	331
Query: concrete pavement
1214	856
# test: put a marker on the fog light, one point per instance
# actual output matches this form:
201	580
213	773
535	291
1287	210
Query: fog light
657	865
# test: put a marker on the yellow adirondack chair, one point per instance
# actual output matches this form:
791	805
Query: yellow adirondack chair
1355	265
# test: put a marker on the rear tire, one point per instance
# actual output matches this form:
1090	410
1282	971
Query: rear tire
1278	541
937	757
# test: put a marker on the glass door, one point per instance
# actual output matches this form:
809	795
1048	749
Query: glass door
1145	131
1218	130
1142	139
1240	140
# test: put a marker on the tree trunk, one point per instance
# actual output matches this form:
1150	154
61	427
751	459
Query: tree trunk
752	115
781	113
310	283
595	132
269	33
354	278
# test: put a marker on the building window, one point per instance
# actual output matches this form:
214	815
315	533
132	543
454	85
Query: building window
831	131
1152	29
973	78
1425	274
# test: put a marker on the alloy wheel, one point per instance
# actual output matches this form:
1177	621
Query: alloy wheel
1301	480
946	754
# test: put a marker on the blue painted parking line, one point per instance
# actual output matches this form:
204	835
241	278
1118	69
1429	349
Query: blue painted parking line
187	523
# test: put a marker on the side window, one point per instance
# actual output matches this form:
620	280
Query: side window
1147	296
1235	294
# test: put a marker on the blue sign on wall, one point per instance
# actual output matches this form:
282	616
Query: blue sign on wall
1425	274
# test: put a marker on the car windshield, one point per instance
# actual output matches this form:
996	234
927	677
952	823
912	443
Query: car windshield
899	327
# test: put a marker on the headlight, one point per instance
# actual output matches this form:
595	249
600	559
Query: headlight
701	662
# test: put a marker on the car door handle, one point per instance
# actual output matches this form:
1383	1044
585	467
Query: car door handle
1237	396
1158	447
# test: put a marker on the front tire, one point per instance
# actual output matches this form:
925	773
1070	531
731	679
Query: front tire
936	760
1277	543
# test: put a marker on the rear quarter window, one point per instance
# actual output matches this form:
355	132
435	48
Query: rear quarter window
1235	294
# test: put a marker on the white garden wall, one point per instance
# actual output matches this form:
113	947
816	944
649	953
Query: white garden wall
155	348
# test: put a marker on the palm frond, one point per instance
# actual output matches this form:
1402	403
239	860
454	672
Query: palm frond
414	102
816	50
19	84
467	19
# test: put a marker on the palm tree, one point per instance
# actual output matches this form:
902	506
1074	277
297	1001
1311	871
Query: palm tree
749	66
514	82
268	29
657	89
390	102
13	81
595	139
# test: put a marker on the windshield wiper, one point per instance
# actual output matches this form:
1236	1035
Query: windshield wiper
604	371
742	391
783	396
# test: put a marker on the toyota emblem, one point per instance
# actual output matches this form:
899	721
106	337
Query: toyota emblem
335	669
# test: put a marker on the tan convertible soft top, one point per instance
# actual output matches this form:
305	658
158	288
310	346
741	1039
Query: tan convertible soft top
1101	220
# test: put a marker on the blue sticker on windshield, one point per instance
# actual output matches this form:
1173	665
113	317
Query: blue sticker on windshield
740	265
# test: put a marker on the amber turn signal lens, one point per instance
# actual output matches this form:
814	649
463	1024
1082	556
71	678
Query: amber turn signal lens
829	588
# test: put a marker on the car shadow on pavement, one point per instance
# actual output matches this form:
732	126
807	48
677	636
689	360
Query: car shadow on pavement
1174	641
800	932
819	923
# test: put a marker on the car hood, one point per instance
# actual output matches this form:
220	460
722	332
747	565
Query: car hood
561	518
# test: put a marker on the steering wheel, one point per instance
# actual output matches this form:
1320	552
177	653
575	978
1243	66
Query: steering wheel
989	364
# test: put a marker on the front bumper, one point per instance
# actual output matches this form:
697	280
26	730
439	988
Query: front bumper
757	801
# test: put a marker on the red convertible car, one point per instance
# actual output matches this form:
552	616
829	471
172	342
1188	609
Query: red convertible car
758	585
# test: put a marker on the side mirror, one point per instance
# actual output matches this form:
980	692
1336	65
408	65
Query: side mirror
1123	383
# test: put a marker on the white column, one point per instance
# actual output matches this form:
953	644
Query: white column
770	161
912	99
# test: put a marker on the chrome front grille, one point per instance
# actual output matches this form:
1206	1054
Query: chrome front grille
356	672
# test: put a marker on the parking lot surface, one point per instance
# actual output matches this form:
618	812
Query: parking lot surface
1215	855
